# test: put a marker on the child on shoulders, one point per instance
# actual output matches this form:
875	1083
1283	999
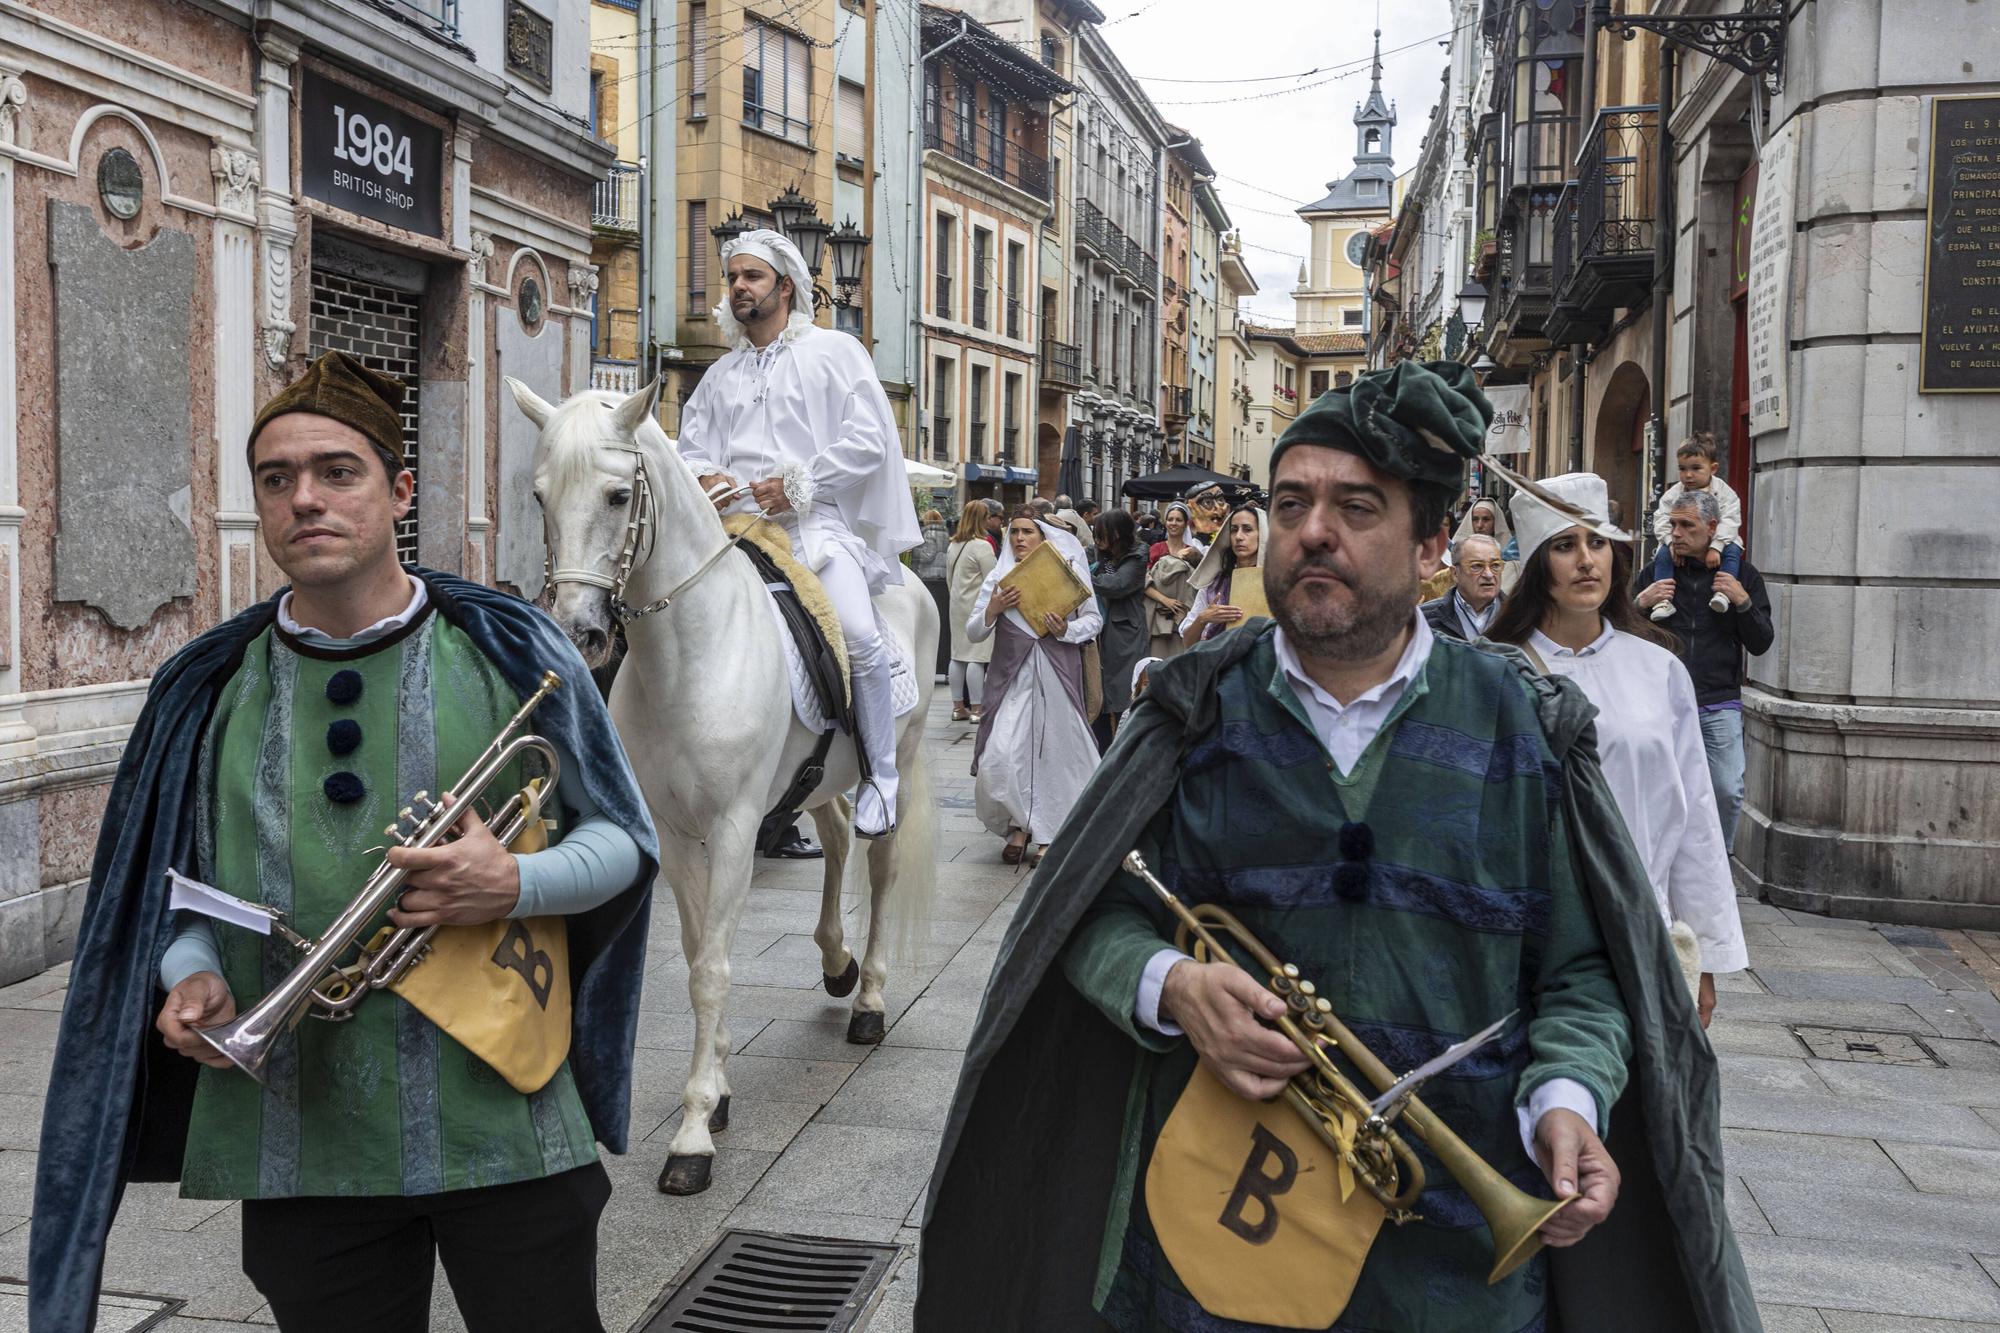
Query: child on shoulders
1697	467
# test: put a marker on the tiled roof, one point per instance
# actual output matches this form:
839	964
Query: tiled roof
1331	344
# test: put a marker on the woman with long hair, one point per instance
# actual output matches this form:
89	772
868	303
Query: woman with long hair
967	562
1170	565
1034	751
1569	613
1239	545
1120	578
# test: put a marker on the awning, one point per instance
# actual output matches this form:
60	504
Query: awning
1007	476
1175	482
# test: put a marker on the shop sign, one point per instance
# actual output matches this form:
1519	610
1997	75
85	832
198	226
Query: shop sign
364	156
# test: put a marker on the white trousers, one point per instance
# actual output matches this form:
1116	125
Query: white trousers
868	660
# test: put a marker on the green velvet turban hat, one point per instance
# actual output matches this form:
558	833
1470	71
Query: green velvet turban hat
340	387
1417	420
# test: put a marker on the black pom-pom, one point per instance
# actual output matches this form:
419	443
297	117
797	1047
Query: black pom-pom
343	736
1357	842
344	687
343	788
1350	881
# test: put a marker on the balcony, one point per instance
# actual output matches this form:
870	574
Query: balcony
1114	249
614	376
1062	365
1012	164
614	201
1522	301
1176	404
1605	238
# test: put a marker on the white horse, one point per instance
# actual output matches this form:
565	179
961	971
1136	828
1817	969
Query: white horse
703	702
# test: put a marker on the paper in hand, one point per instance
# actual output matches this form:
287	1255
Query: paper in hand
191	895
1437	1064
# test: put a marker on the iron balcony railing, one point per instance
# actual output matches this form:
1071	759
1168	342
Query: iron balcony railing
1615	183
614	201
940	438
1103	235
1012	164
438	15
1062	365
975	442
1176	400
616	376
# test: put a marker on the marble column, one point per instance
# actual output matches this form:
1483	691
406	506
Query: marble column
582	291
477	523
275	220
236	180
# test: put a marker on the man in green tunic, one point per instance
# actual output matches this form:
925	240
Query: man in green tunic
376	1145
1421	827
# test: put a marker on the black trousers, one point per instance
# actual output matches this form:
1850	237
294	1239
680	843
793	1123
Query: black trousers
519	1256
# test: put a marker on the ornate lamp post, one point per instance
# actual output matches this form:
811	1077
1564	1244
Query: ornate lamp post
789	209
849	245
802	225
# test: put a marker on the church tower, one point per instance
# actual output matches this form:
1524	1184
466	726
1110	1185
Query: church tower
1330	297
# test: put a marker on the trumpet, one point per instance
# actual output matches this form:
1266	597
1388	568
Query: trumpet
319	984
1382	1160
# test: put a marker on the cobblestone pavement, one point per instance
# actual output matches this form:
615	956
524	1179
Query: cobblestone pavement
1861	1095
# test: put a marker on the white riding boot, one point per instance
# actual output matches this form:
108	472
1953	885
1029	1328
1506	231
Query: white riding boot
875	723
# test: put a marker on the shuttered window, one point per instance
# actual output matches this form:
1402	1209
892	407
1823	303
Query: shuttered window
777	82
698	241
850	127
698	60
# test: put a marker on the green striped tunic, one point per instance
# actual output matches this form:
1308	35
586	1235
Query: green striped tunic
1472	911
384	1103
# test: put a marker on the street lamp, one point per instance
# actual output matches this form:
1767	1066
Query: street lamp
729	229
789	210
849	244
1472	306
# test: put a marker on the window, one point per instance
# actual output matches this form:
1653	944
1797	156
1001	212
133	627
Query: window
1096	338
1010	419
941	369
597	102
1367	185
850	127
965	119
1052	51
847	319
698	61
777	82
933	105
1055	192
1319	378
1138	341
944	241
996	134
1344	380
982	250
697	254
1016	257
975	427
1350	319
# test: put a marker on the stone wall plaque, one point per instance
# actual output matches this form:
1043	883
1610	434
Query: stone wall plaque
124	420
1961	346
535	359
1767	320
530	45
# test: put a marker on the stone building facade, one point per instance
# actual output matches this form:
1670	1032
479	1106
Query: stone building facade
194	200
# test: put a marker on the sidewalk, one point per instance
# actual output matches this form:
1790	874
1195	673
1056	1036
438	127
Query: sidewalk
1864	1183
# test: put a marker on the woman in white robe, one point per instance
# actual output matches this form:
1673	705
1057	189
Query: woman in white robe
1033	753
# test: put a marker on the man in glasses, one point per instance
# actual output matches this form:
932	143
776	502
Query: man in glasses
1468	609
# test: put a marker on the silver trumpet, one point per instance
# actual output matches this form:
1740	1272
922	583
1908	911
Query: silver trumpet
320	985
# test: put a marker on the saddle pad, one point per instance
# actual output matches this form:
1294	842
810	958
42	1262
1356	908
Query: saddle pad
805	699
776	544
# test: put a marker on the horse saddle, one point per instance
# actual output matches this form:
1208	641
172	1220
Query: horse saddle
820	650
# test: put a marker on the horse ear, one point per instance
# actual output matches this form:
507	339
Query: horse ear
631	414
525	398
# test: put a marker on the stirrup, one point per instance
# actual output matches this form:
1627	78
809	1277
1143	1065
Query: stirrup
890	806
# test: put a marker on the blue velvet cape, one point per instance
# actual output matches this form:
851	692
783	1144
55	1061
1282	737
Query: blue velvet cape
118	1100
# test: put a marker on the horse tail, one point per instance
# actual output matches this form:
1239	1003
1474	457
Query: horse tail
915	850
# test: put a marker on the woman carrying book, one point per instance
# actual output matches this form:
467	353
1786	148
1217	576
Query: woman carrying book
1225	600
1033	752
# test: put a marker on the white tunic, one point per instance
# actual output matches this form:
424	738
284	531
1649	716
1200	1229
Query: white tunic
809	401
1039	753
1649	741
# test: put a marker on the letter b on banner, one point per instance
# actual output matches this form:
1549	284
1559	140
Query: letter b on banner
1255	1182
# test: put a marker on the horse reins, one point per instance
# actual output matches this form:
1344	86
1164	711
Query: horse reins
638	532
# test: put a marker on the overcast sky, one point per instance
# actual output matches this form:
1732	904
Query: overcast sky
1276	153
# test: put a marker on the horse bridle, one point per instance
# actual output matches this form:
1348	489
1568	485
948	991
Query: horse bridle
638	533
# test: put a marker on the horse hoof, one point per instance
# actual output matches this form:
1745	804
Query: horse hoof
843	984
718	1119
865	1028
685	1173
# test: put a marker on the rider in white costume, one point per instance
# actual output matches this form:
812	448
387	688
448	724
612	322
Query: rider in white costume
796	413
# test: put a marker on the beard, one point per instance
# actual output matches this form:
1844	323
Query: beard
1326	624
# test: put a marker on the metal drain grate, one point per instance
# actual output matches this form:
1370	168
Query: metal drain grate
760	1282
1868	1048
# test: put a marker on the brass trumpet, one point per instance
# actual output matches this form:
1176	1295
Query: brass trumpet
320	984
1382	1161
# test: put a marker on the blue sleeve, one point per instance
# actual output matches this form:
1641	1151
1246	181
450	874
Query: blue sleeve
193	950
593	864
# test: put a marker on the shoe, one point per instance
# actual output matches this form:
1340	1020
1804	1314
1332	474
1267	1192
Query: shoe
1664	611
795	846
960	713
1718	603
1012	852
974	719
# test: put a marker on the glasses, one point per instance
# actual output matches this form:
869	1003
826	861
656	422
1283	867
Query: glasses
1483	566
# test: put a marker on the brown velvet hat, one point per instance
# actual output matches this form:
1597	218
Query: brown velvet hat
340	387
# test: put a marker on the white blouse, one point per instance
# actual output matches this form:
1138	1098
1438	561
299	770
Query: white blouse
1649	741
